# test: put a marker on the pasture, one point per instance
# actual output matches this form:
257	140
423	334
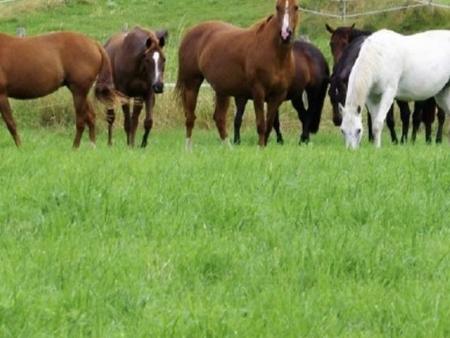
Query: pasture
283	242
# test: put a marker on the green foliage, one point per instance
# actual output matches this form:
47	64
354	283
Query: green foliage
286	241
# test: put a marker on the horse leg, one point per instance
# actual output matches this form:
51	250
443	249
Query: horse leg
148	122
441	121
110	118
189	96
369	127
6	112
303	117
90	120
220	114
240	110
443	100
417	118
272	109
379	112
81	111
405	114
276	126
137	108
258	102
126	121
428	117
391	124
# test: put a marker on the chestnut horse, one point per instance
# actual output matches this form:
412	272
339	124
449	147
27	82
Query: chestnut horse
33	67
138	69
311	76
255	63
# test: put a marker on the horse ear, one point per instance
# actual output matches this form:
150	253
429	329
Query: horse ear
162	36
353	26
328	27
269	18
149	43
358	110
341	108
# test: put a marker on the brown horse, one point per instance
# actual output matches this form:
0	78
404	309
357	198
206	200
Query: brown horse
312	76
255	63
138	70
33	67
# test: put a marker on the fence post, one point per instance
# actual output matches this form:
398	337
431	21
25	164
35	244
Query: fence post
21	32
343	9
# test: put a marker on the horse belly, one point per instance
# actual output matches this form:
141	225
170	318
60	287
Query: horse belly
33	83
422	85
424	73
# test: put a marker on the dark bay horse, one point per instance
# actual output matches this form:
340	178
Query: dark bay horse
138	67
311	76
341	39
425	111
253	63
33	67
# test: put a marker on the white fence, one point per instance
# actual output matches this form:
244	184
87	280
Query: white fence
343	12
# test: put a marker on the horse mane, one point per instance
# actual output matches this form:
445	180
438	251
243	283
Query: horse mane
362	74
260	25
355	33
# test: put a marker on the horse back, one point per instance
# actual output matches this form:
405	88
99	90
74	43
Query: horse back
311	67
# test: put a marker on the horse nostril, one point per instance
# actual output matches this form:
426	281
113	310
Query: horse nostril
158	88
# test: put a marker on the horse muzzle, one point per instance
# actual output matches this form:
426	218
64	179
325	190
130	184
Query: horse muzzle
286	36
158	88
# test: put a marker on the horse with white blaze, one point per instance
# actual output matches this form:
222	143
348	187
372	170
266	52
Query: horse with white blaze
394	66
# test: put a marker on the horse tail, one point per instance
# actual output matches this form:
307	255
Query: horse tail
105	90
320	100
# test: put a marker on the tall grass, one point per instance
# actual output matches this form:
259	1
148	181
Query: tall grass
290	241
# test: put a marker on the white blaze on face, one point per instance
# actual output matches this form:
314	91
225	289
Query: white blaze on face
157	72
285	28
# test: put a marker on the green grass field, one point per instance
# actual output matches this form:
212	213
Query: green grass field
289	241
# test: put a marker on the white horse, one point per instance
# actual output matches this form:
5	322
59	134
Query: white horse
393	66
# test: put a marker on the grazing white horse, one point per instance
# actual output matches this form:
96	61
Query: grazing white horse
393	66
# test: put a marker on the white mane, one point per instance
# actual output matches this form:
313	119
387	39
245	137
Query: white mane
362	75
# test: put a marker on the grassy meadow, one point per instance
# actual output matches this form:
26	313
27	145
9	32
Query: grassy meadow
289	241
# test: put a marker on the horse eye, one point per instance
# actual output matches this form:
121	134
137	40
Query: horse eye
342	132
278	8
296	7
358	131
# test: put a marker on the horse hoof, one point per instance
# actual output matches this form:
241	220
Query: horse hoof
237	142
188	145
280	141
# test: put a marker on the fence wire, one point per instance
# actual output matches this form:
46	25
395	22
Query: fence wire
354	9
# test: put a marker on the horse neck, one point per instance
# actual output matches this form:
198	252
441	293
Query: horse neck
356	33
360	81
269	40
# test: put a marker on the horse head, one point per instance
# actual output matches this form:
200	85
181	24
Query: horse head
287	18
337	93
351	127
340	39
154	60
